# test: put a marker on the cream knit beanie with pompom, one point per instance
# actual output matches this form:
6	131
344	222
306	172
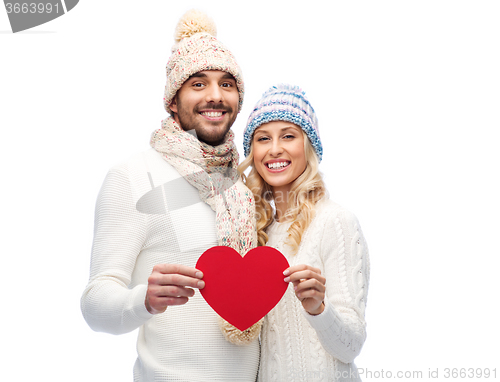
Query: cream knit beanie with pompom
197	49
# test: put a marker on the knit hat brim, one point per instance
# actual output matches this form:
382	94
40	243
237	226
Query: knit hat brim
197	50
284	103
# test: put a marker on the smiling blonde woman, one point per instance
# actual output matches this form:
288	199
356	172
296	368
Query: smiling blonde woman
318	328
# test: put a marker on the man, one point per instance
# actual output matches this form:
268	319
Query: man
159	211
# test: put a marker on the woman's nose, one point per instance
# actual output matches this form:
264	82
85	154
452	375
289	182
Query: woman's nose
276	147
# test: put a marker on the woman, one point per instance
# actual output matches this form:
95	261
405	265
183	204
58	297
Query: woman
318	328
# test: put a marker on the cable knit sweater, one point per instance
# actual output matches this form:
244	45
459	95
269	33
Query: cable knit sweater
296	346
146	214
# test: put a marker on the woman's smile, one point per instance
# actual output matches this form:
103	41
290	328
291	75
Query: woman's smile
278	166
279	155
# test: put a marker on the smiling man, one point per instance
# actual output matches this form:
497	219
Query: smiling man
208	103
160	210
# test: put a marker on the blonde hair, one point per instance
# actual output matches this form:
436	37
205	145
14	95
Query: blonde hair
304	193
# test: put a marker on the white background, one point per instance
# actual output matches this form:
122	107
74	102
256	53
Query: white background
407	94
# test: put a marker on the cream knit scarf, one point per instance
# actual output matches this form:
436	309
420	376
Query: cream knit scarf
212	170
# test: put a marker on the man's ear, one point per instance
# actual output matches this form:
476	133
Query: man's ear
173	104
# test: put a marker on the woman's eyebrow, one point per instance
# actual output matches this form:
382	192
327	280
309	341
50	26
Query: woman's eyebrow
281	130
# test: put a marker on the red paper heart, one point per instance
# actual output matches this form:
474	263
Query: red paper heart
242	290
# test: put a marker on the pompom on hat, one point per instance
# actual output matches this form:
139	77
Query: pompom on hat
284	103
197	49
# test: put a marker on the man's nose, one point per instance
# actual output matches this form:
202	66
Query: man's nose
214	94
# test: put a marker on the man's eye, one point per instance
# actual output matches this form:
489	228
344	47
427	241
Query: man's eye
197	85
227	85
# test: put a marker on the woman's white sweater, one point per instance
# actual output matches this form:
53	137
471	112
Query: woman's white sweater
296	346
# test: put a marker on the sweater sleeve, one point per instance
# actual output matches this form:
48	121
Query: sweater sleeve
107	303
341	327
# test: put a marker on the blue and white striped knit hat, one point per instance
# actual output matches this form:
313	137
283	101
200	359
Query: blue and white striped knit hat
284	103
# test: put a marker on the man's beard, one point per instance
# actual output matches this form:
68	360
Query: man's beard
189	121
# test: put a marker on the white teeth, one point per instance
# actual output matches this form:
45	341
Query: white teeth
212	114
277	165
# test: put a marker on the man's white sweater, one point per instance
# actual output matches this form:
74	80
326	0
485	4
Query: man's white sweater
147	214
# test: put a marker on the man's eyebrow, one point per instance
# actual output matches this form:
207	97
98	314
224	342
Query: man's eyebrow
228	76
199	74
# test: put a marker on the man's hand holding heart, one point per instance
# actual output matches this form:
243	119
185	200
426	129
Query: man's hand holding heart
171	284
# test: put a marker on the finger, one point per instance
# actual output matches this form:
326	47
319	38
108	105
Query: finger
305	275
300	267
310	284
310	293
169	301
173	291
157	278
159	304
160	291
178	269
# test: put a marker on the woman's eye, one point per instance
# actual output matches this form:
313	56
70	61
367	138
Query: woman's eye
289	136
262	139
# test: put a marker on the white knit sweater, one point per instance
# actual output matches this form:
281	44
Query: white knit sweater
136	228
296	346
